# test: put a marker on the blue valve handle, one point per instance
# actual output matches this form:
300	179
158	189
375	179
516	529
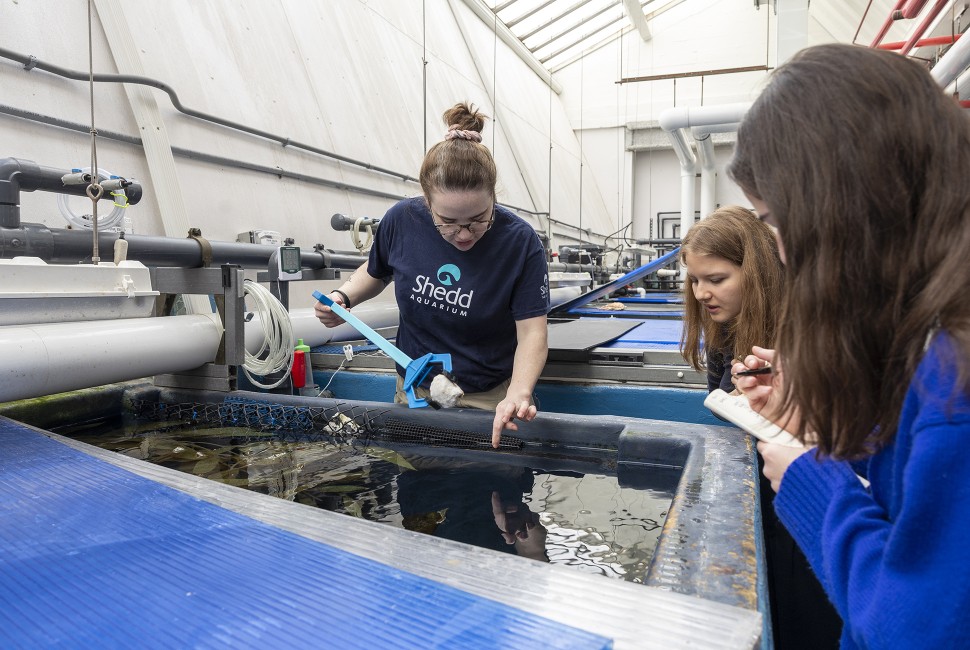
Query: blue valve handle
415	372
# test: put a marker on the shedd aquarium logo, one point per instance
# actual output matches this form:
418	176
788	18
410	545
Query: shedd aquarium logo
454	301
449	274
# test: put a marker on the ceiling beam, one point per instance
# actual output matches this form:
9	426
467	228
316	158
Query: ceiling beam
487	16
634	12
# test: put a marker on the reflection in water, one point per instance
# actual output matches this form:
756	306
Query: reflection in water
598	526
583	520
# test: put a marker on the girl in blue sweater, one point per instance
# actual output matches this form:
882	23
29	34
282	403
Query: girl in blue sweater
861	163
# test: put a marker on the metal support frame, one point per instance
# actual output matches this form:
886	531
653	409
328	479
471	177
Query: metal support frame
648	367
225	284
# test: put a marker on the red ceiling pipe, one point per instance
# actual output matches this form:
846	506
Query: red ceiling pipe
886	25
923	42
923	26
965	103
911	10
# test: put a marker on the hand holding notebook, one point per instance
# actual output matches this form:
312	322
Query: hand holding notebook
735	409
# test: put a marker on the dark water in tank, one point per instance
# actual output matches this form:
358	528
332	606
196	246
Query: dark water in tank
584	519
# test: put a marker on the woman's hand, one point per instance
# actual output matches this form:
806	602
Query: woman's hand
326	315
520	526
507	411
777	459
764	391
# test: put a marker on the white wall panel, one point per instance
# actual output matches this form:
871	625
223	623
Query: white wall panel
656	177
347	76
344	76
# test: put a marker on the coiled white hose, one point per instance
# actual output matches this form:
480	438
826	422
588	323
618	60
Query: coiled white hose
113	220
278	339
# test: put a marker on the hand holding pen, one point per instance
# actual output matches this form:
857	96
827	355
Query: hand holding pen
760	378
756	376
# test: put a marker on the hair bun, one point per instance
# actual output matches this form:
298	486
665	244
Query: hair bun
464	117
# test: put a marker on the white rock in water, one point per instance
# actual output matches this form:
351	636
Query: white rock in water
445	392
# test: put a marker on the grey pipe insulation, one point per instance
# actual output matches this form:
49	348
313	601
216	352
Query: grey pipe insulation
67	246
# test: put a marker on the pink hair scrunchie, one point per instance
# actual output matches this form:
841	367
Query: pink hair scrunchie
455	133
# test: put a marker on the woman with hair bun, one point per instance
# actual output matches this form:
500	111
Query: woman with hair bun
470	277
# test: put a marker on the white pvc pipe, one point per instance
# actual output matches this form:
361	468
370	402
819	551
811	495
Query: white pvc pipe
306	326
686	206
682	117
682	148
688	166
705	151
674	121
560	295
44	359
699	131
954	62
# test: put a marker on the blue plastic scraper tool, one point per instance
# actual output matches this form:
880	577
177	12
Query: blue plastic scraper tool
415	371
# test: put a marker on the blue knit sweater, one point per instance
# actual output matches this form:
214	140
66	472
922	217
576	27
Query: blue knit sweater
895	559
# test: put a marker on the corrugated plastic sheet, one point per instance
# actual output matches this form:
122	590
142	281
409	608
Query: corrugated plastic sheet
94	556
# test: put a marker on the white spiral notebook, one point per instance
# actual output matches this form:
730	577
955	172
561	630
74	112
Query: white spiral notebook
735	409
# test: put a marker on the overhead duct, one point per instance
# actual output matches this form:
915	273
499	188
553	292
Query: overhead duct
675	121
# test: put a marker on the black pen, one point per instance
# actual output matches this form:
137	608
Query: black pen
754	371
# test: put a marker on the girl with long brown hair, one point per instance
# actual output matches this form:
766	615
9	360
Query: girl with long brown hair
861	162
734	284
731	297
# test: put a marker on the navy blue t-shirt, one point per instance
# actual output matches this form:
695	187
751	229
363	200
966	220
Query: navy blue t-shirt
464	303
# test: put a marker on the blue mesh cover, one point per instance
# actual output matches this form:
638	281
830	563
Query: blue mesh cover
94	556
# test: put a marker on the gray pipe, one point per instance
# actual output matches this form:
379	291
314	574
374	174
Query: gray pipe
30	62
18	175
573	268
221	161
341	222
65	246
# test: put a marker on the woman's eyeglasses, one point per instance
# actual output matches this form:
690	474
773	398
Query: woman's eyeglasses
475	227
